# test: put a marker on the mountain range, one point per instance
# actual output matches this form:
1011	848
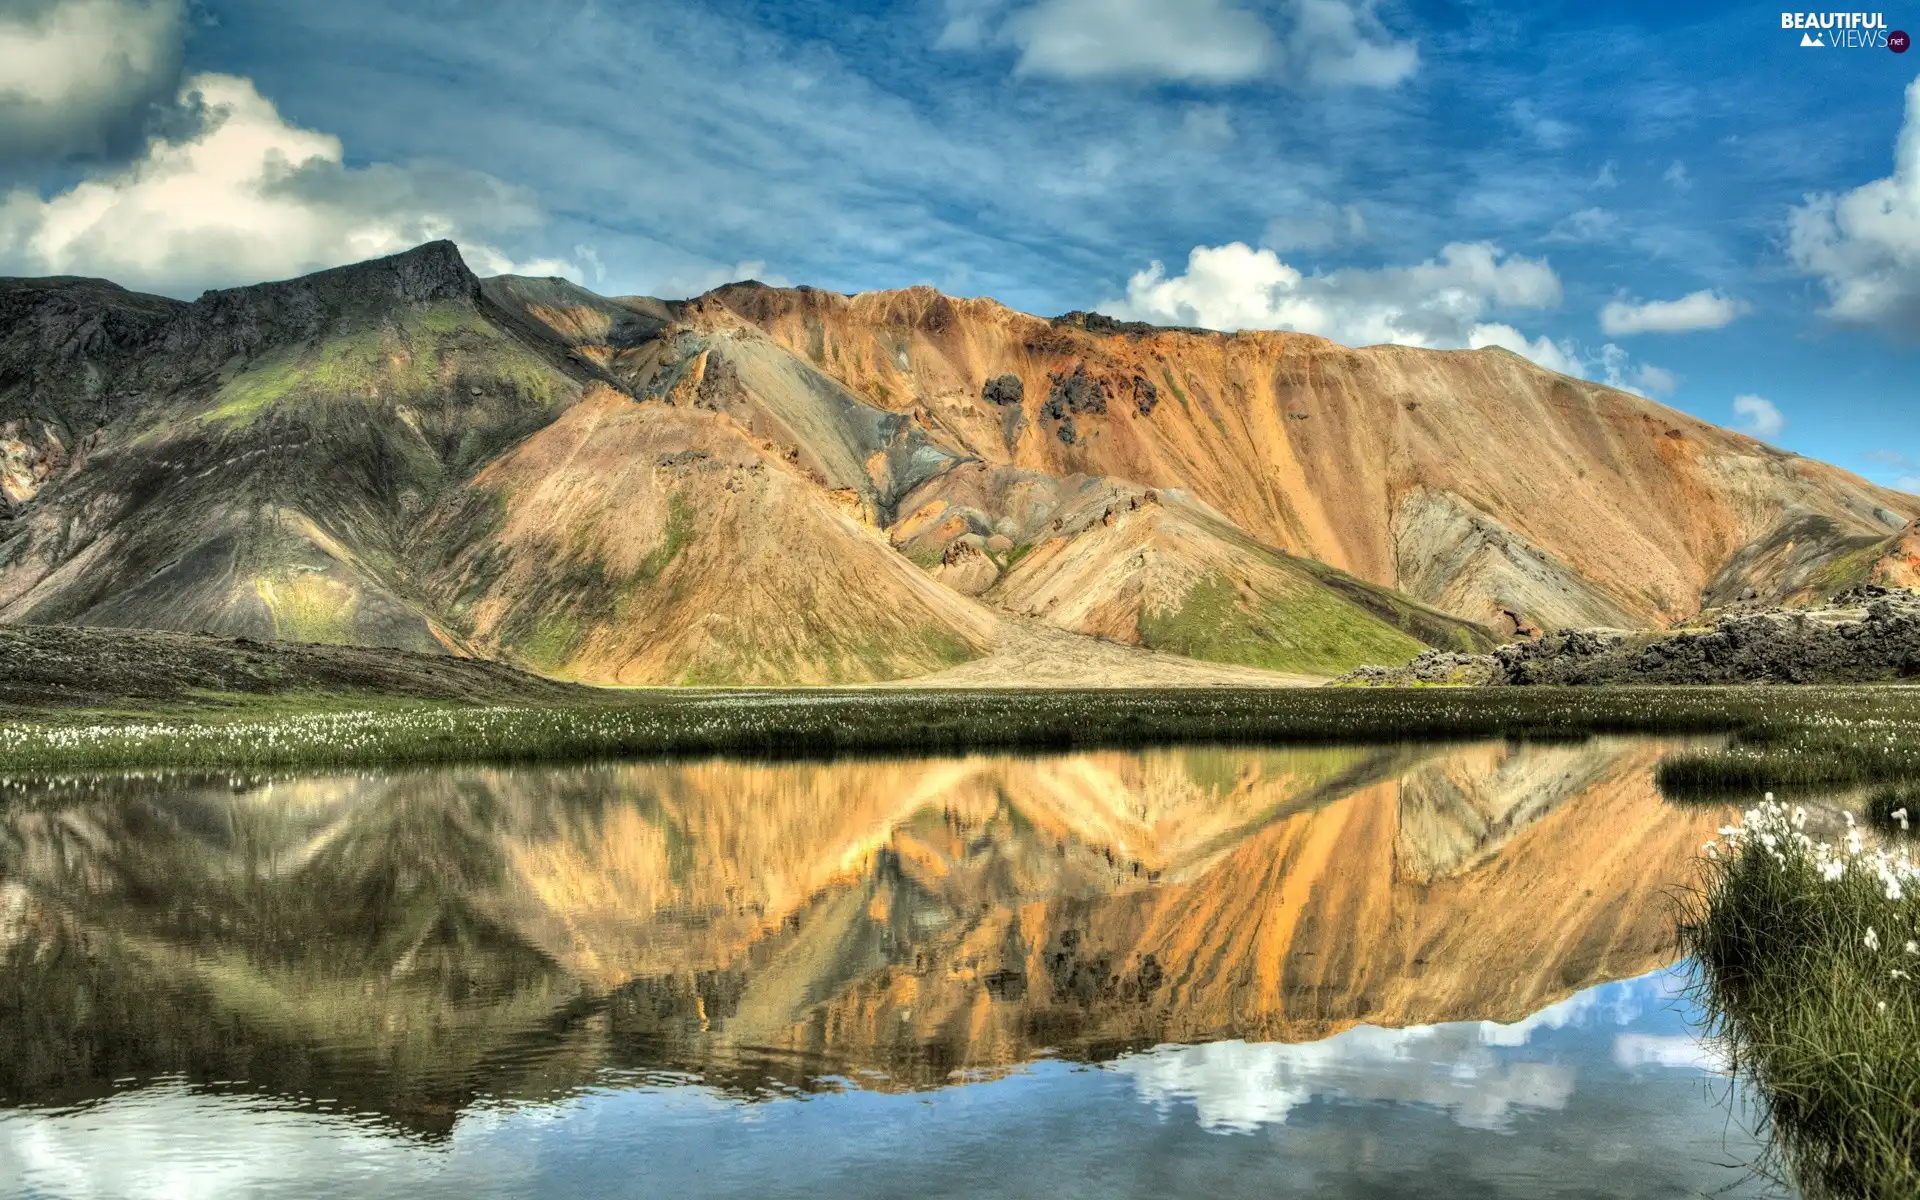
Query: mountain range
793	486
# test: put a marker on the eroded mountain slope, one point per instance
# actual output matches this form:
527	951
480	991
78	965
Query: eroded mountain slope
649	543
258	460
386	455
1473	480
1154	568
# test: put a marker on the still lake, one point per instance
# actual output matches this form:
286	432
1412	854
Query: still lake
1409	970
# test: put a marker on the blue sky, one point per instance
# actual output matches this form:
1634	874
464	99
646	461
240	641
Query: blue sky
1439	174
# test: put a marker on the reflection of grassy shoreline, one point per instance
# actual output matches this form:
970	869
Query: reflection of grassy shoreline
1807	957
1817	748
1827	734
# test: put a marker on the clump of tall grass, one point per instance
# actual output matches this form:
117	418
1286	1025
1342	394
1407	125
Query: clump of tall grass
1806	955
1894	810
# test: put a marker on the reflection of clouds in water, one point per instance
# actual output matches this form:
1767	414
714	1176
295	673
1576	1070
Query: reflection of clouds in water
1236	1087
1622	1003
1466	1069
13	913
173	1141
1632	1050
202	1146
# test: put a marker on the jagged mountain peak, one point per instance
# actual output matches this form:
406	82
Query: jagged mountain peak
237	320
430	271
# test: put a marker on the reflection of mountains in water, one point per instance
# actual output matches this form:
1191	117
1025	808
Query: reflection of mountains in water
406	945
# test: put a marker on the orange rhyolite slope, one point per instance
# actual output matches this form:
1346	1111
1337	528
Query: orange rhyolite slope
1473	480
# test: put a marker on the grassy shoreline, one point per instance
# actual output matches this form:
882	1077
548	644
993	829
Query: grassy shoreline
1807	954
1814	734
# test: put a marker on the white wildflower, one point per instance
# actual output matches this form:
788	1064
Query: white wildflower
1872	939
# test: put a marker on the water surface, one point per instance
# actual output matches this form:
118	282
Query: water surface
1351	971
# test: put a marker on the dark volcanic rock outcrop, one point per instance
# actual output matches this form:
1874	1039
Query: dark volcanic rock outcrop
1004	389
1075	393
1871	635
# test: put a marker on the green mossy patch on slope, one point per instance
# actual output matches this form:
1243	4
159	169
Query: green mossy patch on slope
1307	630
422	353
307	605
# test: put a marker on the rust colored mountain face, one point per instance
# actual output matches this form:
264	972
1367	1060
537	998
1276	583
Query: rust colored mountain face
633	543
1471	480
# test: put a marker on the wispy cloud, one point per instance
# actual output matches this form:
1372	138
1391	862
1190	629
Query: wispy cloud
1320	43
1694	311
1206	41
1316	226
1586	225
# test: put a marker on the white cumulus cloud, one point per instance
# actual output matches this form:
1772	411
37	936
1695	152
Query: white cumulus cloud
79	77
1326	43
1864	245
1449	302
1554	356
1438	303
1696	310
247	196
1761	417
